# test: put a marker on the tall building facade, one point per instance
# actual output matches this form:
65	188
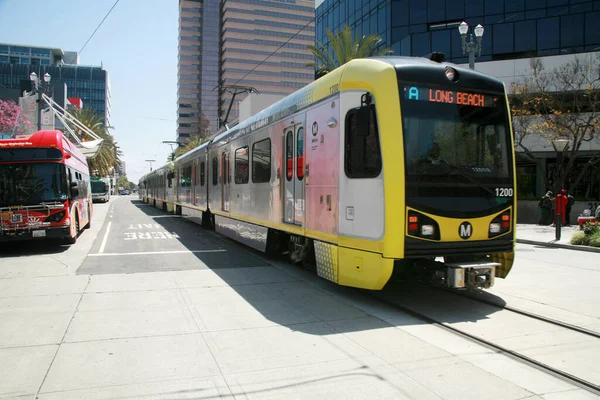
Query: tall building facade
198	68
238	43
513	28
90	83
251	31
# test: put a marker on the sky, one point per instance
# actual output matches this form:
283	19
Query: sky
137	45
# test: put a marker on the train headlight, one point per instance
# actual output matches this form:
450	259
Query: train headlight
494	227
427	230
451	74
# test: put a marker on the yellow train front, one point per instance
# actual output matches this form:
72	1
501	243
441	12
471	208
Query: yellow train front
448	177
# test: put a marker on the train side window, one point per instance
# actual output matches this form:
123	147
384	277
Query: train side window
261	161
363	153
202	173
215	171
242	165
289	155
300	154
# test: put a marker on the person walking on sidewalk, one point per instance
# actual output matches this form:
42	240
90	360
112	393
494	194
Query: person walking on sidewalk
570	202
545	206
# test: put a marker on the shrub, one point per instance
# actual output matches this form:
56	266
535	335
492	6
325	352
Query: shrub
594	239
580	239
591	228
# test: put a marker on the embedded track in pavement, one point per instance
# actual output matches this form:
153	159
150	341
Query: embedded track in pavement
564	370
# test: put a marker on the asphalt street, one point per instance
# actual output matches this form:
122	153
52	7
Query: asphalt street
137	237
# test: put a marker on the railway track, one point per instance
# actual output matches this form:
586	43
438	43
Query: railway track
552	321
545	367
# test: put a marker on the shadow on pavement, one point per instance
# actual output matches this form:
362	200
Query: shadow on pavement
267	289
32	247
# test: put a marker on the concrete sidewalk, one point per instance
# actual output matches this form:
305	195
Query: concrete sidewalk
546	236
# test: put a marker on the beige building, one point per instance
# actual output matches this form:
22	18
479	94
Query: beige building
198	68
235	44
253	30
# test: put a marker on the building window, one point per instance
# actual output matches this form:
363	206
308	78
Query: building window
241	165
261	161
526	181
363	155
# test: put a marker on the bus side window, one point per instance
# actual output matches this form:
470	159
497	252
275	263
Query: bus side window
363	153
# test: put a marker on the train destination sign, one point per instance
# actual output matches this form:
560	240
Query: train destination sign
449	96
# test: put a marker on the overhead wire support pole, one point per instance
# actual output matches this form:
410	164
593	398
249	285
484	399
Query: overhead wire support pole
234	90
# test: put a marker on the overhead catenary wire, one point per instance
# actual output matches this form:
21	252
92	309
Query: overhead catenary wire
96	30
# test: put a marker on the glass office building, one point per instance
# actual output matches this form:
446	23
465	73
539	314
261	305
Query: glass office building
513	28
89	83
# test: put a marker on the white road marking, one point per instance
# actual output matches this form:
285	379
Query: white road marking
103	245
144	253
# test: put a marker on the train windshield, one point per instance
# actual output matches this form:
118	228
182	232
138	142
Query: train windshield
31	184
454	135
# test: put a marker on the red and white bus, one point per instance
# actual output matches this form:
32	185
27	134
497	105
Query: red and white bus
44	188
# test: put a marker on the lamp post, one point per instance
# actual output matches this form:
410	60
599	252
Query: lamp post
560	145
150	161
40	87
471	47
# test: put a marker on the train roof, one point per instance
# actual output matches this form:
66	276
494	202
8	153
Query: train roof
158	171
192	152
320	89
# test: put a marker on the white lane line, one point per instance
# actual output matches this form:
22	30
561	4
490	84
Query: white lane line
156	252
103	245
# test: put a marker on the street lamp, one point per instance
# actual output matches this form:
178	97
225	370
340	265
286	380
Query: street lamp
471	46
40	88
150	161
171	143
560	145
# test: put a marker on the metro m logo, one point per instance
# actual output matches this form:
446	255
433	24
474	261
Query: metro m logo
465	230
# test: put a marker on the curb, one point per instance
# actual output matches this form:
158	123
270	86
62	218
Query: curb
560	246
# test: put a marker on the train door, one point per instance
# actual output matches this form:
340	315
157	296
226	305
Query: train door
293	179
225	180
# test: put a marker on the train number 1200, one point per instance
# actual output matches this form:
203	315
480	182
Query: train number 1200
504	192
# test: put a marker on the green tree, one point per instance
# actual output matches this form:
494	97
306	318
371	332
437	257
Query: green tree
107	160
343	49
194	142
123	182
559	103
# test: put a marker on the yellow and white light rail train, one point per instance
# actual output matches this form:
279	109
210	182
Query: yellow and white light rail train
385	163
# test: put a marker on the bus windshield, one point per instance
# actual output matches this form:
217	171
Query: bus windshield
453	135
31	184
98	187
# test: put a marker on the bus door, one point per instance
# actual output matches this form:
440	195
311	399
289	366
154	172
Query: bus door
225	180
293	177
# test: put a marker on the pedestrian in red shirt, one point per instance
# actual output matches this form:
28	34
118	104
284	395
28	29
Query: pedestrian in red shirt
560	205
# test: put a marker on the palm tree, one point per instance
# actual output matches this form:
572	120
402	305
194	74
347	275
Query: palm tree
194	142
344	49
108	157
